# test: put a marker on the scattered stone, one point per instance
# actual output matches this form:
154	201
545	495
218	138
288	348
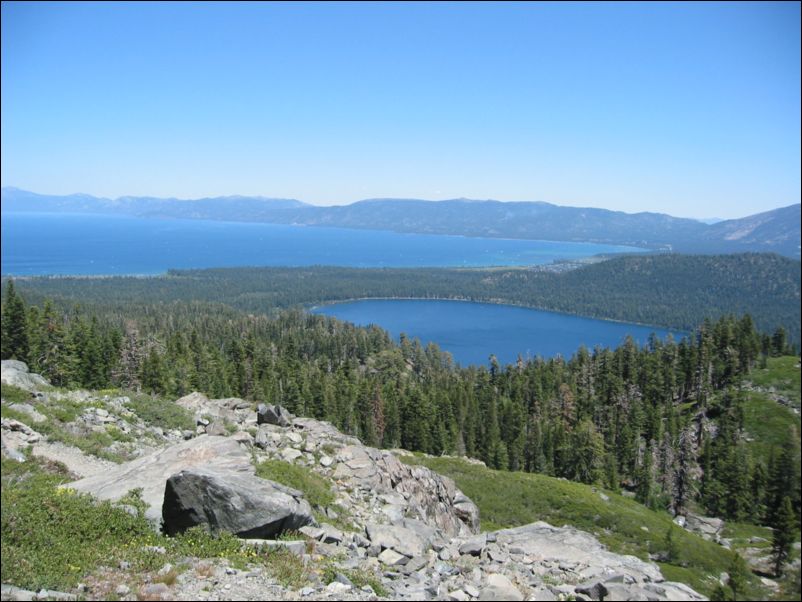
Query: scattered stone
290	454
217	429
11	453
340	578
474	546
331	534
326	461
294	437
392	558
28	409
122	590
335	587
11	592
153	591
312	532
471	590
499	587
293	546
402	540
595	590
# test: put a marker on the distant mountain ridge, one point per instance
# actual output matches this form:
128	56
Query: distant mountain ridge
773	231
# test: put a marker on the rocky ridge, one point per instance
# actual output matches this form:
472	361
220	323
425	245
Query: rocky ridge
410	528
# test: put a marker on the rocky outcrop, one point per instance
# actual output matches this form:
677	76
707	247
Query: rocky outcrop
424	495
243	504
542	562
706	526
411	529
372	478
150	473
213	414
14	372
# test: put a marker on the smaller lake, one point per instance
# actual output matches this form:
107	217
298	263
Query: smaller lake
473	331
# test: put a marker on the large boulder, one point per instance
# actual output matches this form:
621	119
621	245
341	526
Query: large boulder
270	414
15	373
152	471
242	504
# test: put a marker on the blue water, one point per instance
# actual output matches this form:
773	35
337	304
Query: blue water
41	243
473	331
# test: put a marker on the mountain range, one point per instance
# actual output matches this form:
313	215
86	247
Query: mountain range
777	230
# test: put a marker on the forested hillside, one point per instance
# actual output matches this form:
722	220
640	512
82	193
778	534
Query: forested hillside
676	291
649	420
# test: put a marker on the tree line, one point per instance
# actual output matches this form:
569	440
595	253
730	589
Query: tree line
673	291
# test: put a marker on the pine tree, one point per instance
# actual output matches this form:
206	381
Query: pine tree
586	455
784	530
720	594
14	329
738	576
645	493
672	545
757	486
683	474
779	342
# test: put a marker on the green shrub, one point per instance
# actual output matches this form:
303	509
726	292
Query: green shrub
162	413
12	394
315	488
51	537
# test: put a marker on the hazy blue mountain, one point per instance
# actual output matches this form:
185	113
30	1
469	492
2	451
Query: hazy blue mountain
774	230
230	208
777	230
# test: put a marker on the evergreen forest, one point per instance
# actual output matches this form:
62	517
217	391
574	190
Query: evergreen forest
665	422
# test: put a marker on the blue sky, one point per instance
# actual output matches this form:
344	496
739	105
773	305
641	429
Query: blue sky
691	109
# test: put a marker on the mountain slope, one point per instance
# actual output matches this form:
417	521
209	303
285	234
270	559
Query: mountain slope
777	231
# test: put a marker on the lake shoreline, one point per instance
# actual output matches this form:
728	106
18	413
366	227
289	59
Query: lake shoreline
501	302
472	331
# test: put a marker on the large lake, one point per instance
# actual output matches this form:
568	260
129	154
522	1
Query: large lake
41	243
473	331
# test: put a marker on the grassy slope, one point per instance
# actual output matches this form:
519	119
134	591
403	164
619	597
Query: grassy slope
781	374
508	499
766	421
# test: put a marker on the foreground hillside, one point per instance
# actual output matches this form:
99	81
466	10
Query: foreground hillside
507	499
333	519
773	231
675	291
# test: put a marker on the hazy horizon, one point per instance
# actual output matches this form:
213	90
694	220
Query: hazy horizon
389	198
685	109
